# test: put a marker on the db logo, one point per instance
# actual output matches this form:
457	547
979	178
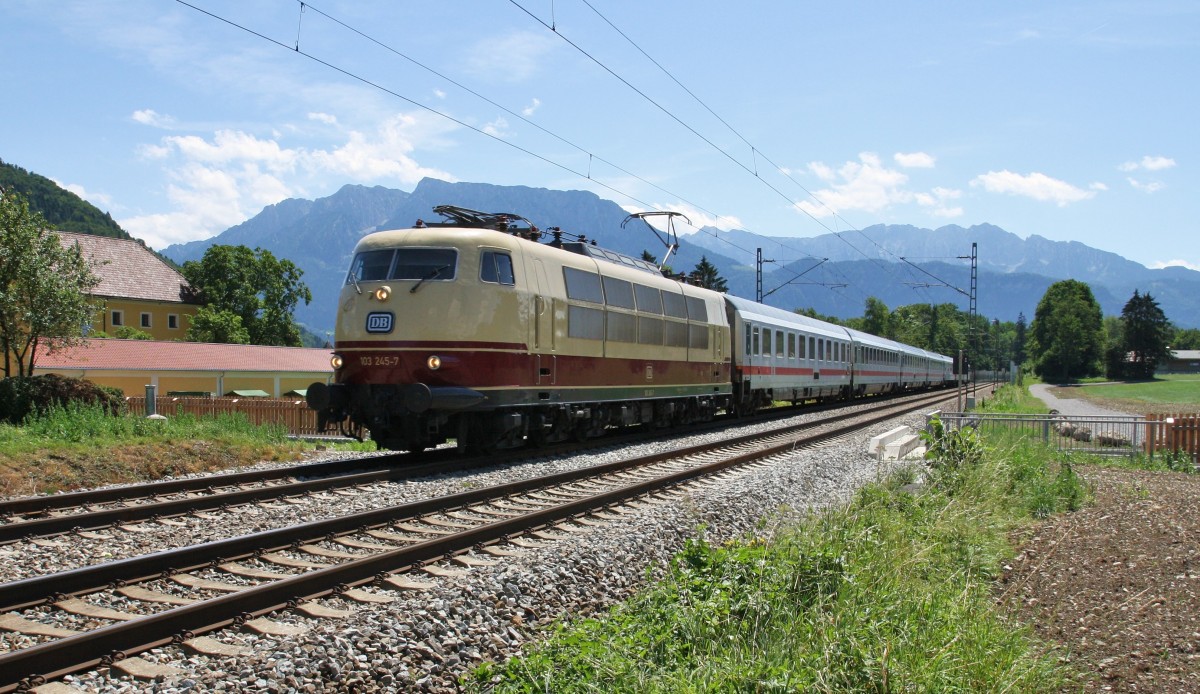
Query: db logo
379	322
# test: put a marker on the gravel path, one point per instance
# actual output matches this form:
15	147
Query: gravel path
1072	407
425	639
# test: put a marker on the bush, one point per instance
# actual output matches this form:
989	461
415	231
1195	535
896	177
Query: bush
20	397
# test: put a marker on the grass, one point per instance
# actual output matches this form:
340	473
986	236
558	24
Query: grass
1164	395
75	448
892	592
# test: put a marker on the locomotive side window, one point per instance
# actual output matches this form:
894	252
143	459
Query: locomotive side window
585	323
649	300
697	310
621	327
424	264
370	266
496	267
650	331
698	336
676	334
618	293
583	286
674	305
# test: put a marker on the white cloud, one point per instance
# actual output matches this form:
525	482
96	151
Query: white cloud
153	118
914	160
497	128
1038	186
870	186
512	58
533	106
1175	263
1148	163
100	200
326	118
439	93
219	181
1151	187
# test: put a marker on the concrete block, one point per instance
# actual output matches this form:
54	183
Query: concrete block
901	447
875	448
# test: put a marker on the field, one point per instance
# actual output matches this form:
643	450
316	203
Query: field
1164	395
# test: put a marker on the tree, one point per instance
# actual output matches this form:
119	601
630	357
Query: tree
877	319
706	275
43	287
1067	332
256	287
1186	338
1020	340
213	325
1147	334
1115	366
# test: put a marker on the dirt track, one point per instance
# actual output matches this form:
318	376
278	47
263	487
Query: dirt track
1117	584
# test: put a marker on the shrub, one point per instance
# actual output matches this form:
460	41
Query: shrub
20	397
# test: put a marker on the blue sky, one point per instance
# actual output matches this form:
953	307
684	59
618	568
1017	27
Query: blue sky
1070	120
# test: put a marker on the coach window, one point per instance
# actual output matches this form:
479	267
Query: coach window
583	286
820	350
754	348
812	348
618	293
791	345
779	345
496	267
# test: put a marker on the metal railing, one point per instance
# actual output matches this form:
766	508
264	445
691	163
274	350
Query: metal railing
1113	435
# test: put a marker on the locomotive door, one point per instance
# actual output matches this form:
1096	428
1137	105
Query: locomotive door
543	327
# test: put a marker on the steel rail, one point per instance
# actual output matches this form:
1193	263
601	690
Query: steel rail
329	475
82	651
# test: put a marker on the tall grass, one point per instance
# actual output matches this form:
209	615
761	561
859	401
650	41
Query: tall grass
79	424
892	592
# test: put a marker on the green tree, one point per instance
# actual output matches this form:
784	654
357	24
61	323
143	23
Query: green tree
706	275
1186	338
255	286
1020	340
1147	334
1115	366
43	287
877	318
214	325
1067	338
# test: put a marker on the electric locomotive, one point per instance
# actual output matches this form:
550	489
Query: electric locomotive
469	329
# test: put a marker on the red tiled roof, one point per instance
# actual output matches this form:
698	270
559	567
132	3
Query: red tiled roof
128	270
150	355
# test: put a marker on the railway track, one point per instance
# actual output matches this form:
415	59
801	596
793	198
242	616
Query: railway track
88	511
184	593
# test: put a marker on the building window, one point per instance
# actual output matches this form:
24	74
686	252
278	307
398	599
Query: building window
146	320
118	318
172	321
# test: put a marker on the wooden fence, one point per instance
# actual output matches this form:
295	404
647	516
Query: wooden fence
1173	432
293	413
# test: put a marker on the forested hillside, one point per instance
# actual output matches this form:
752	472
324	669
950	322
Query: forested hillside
63	209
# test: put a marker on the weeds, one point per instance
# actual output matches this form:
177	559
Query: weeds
889	593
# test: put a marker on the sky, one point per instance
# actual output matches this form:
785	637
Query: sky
1075	121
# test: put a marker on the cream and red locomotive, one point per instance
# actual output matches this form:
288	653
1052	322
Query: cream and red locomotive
472	330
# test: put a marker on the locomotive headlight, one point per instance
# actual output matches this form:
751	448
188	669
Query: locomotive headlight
383	293
336	362
434	362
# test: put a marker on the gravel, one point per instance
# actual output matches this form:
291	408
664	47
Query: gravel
1071	407
425	639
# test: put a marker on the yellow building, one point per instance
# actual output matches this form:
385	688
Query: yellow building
138	289
189	368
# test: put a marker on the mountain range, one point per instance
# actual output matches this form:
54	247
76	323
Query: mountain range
831	273
898	264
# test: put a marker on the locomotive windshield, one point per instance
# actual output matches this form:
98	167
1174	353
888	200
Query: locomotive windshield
404	264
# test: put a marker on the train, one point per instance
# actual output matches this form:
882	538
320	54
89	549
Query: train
482	329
